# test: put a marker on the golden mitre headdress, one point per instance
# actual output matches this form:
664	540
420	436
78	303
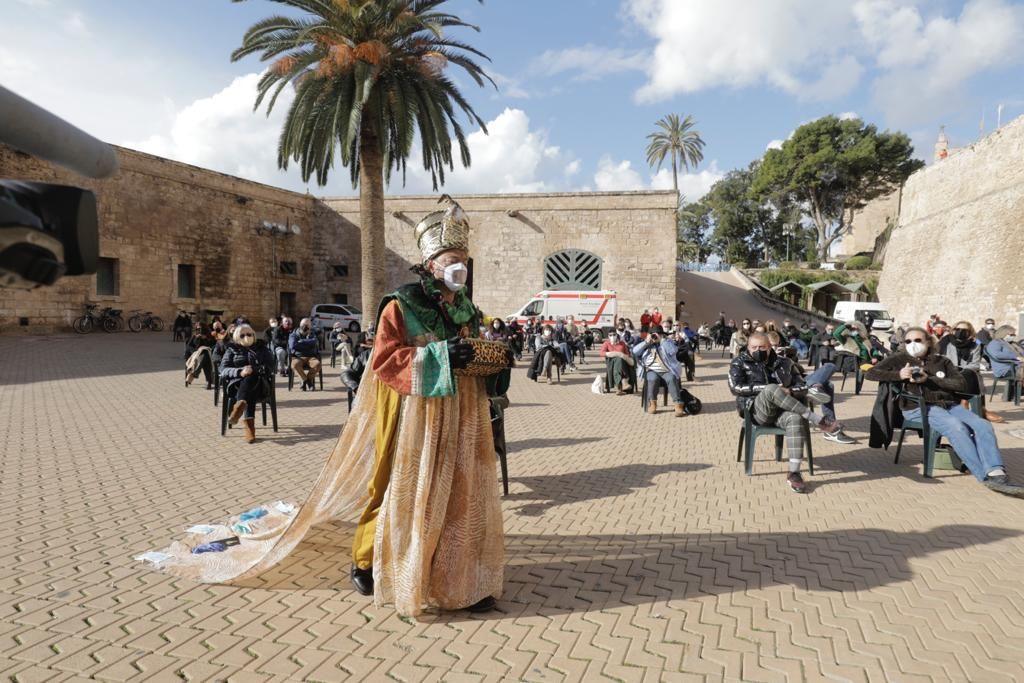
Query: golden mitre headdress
443	230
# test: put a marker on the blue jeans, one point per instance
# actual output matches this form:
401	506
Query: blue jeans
800	345
567	353
972	437
671	381
822	377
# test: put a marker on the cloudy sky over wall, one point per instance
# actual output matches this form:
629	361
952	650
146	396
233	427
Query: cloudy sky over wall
581	82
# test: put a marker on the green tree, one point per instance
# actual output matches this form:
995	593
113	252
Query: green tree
746	227
369	75
694	232
833	167
676	138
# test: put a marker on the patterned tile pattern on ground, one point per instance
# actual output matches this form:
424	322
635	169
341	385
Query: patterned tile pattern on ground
637	549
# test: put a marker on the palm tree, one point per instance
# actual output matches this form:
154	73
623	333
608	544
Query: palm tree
676	138
368	76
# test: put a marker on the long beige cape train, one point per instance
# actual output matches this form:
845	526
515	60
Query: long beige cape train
439	540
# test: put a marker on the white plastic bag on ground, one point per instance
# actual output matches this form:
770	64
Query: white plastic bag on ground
598	386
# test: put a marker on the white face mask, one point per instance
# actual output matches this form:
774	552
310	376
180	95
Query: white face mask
455	276
547	334
990	327
917	349
247	341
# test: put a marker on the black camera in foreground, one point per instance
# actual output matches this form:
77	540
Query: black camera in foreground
46	231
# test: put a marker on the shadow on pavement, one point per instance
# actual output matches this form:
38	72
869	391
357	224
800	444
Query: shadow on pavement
525	444
552	490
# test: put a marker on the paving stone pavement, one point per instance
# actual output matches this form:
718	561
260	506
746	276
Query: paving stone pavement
637	549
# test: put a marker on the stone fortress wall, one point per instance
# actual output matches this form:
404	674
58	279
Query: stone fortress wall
157	214
957	247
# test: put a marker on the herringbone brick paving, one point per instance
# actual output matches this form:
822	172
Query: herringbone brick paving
637	549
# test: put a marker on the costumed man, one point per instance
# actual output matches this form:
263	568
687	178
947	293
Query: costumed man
412	480
419	343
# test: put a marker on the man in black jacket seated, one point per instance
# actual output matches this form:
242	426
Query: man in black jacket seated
771	387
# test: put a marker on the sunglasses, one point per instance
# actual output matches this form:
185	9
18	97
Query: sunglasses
249	336
909	341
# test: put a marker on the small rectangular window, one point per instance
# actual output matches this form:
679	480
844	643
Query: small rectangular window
186	281
288	268
107	272
340	298
340	271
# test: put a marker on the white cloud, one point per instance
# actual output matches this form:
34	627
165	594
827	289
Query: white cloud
611	176
513	157
588	62
572	168
789	44
508	87
849	116
693	185
774	144
922	54
223	133
74	23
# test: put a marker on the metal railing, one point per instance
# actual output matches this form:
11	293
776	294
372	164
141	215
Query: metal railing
697	267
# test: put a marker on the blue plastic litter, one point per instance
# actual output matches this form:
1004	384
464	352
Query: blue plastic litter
255	513
209	548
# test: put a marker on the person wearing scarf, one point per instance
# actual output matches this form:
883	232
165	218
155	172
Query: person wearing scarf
963	349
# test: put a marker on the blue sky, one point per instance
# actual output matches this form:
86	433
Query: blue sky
582	81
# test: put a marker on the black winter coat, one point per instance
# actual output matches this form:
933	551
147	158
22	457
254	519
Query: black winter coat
747	377
944	378
237	357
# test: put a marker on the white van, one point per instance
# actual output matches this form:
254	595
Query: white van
598	309
858	311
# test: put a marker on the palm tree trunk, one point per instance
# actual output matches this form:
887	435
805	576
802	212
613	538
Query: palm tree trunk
675	175
371	226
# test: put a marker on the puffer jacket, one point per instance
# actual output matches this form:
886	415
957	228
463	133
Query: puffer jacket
1004	358
748	378
237	357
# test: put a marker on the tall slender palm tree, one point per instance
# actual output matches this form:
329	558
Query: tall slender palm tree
676	138
368	76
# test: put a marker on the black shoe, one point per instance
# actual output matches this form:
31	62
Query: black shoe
1002	484
362	580
796	482
485	605
304	386
209	386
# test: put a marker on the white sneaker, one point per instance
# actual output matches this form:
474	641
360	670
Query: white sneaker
818	396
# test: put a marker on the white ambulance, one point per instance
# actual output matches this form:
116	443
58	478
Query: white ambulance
598	309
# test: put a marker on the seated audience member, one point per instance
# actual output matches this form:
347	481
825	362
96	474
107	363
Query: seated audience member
516	337
820	389
497	331
566	343
985	333
352	375
279	345
221	338
1002	352
937	380
771	388
685	353
338	335
251	362
587	337
940	328
619	364
268	333
792	336
548	353
199	349
962	348
624	334
854	343
659	364
738	340
704	336
304	349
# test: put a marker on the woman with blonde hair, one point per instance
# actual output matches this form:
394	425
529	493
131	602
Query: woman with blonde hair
249	364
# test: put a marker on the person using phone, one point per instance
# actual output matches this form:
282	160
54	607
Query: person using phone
938	381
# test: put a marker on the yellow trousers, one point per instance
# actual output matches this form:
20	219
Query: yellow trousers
388	405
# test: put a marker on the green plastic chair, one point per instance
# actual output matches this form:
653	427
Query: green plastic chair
931	438
1012	387
749	433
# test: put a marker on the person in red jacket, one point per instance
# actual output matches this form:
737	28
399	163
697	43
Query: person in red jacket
656	317
645	321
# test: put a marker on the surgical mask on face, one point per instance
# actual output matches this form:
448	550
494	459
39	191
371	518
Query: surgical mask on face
304	328
273	323
547	334
854	333
455	276
246	340
990	326
761	356
917	349
613	338
962	335
1011	338
496	326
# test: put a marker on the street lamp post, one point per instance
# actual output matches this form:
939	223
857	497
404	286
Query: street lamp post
787	230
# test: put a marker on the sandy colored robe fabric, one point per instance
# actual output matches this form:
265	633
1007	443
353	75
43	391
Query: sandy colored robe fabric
439	539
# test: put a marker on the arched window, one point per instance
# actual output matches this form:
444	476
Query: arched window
572	269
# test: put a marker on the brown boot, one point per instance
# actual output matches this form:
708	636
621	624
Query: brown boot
236	413
652	406
680	410
250	429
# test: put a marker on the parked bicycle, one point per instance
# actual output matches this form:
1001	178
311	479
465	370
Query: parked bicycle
145	321
109	320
